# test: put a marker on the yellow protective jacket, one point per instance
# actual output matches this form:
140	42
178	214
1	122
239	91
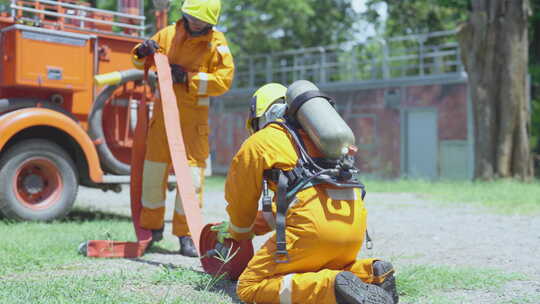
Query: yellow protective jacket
271	147
210	67
207	59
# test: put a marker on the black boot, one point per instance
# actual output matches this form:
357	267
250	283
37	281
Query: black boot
187	248
386	269
157	235
351	290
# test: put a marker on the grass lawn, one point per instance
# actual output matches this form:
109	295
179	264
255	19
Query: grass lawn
428	283
39	264
506	196
29	247
215	183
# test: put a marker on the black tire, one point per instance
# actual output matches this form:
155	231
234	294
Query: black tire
38	181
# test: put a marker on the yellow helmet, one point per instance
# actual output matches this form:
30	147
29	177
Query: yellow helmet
204	10
267	104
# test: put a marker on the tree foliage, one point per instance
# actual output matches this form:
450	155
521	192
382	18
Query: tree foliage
419	16
275	25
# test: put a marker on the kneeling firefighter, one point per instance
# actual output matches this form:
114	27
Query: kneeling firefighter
318	212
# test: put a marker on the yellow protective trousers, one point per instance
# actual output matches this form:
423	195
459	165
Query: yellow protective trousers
157	164
325	230
154	191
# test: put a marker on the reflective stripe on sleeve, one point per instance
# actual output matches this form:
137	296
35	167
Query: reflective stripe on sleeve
240	229
223	49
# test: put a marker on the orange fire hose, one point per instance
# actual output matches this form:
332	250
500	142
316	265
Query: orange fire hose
184	182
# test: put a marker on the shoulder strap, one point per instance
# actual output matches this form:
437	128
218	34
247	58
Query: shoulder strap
302	98
282	256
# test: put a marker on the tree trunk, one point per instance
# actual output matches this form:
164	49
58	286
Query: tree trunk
494	49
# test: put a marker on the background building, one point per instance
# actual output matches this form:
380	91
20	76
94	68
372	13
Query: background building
405	98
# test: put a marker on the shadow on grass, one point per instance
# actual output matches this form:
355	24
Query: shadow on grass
160	250
79	215
220	285
225	286
87	215
158	264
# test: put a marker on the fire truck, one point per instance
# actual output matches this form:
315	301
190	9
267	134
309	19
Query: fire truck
58	128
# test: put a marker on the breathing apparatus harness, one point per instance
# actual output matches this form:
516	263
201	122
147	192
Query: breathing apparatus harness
308	172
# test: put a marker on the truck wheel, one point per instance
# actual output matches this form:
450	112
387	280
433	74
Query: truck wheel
38	181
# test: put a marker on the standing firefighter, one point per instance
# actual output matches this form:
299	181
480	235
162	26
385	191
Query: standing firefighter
318	211
202	66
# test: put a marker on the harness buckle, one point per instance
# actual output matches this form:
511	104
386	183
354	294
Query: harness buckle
282	257
267	203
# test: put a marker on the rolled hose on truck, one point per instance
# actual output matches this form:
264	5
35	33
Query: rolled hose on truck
95	121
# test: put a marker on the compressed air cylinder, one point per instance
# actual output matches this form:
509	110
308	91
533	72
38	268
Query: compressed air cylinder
320	120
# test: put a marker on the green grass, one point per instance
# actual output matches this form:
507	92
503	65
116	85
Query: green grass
39	263
506	196
98	289
159	286
33	246
168	276
215	183
424	282
30	246
206	288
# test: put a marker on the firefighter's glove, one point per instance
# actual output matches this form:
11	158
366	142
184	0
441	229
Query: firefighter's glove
179	75
222	231
147	48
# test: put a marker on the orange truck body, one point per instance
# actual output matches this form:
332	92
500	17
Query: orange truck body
47	88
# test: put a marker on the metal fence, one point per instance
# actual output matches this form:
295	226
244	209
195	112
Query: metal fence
377	59
76	15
